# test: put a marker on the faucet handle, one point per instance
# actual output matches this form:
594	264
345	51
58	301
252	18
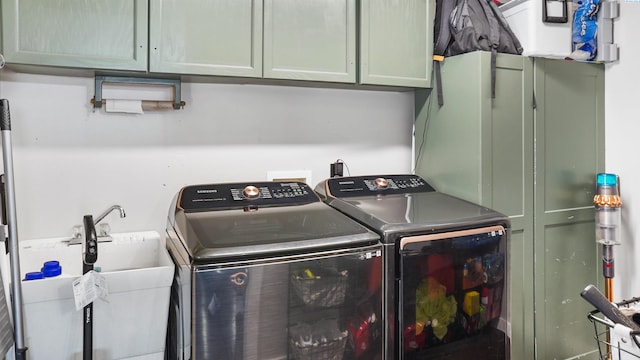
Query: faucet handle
104	229
77	231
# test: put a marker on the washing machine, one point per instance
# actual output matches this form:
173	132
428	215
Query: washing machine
444	260
266	270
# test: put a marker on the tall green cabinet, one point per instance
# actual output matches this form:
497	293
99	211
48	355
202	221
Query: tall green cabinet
531	152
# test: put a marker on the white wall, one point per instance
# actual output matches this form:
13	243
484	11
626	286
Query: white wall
622	80
70	161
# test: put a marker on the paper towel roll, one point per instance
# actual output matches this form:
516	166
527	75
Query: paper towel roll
124	106
156	105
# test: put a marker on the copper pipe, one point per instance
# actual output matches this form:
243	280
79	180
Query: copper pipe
608	292
608	289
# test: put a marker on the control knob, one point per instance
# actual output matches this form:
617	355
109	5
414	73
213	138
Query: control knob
381	183
251	192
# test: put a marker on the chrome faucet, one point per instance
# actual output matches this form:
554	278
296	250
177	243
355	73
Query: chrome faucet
103	234
109	210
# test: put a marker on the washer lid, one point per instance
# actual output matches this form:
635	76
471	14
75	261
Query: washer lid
217	221
410	206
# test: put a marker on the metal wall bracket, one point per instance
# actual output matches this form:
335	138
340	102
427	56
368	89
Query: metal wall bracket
100	79
607	49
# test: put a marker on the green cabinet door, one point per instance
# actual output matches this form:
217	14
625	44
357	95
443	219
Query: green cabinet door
396	42
569	153
310	40
222	37
481	149
531	153
99	34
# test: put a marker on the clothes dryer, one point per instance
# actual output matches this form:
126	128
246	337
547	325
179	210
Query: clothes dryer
445	262
265	270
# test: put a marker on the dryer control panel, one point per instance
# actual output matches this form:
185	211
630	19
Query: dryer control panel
211	197
376	185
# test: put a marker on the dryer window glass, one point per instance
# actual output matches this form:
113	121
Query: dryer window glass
452	295
318	306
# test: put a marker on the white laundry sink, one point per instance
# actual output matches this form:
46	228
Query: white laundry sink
132	324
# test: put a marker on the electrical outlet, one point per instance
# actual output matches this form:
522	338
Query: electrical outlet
290	175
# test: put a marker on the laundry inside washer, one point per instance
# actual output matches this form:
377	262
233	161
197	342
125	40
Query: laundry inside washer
445	273
266	271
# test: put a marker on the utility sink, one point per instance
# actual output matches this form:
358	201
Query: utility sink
131	325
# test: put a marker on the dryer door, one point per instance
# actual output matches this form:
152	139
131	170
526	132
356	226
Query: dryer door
451	295
321	305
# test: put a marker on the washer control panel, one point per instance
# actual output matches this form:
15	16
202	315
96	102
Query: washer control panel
210	197
376	185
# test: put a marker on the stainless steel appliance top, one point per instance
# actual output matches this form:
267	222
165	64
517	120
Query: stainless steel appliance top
245	220
399	205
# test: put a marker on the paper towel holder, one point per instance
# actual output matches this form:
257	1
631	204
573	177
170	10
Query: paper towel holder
97	100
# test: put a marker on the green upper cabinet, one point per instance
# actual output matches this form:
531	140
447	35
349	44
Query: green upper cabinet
206	37
310	40
98	34
373	42
396	42
303	40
